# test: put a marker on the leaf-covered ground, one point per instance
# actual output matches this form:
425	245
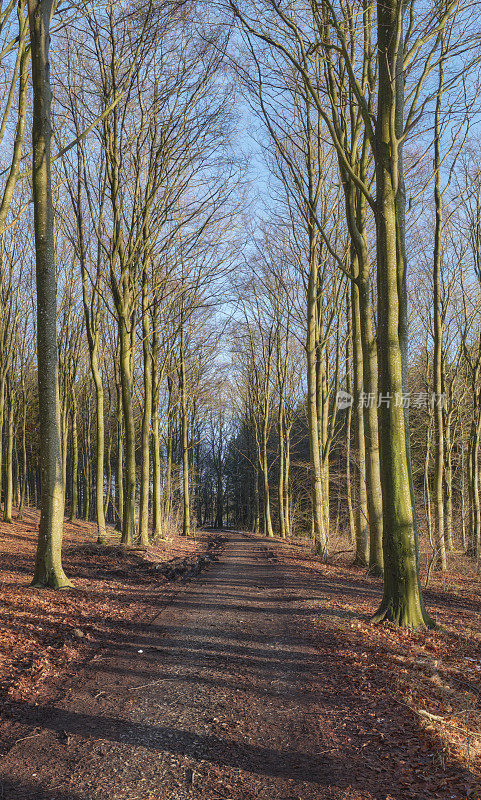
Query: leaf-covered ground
43	633
262	678
432	677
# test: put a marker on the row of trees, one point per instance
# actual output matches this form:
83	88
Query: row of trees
360	105
145	188
341	90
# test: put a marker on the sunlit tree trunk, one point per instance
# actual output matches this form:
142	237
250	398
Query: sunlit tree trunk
170	447
438	335
287	470
48	564
147	411
312	413
87	461
349	389
73	511
100	438
361	556
473	482
402	601
157	485
64	439
185	436
448	478
128	515
119	485
280	486
8	510
24	485
268	530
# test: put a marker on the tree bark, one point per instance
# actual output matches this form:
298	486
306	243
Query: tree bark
361	556
74	508
119	486
281	486
48	564
349	388
157	488
371	433
440	559
128	515
402	601
312	414
268	530
185	437
8	510
147	412
448	488
23	491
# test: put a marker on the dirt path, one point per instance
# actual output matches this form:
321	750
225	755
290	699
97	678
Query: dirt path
226	695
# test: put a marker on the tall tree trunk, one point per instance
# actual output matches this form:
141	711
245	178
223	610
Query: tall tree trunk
87	465
427	491
128	515
157	485
23	491
3	381
349	388
74	509
287	469
170	448
185	438
322	421
402	601
92	327
371	432
281	487
473	483
361	556
100	437
438	334
268	531
219	512
8	510
257	513
463	488
448	485
48	563
146	414
119	485
64	438
312	413
108	461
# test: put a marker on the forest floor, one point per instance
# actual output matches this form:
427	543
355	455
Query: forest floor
260	679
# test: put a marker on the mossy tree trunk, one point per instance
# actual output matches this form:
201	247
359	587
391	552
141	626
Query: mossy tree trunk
8	510
402	601
185	437
74	508
24	483
126	358
48	563
156	464
147	409
171	410
348	423
119	483
361	556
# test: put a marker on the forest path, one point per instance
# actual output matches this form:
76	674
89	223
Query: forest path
228	694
